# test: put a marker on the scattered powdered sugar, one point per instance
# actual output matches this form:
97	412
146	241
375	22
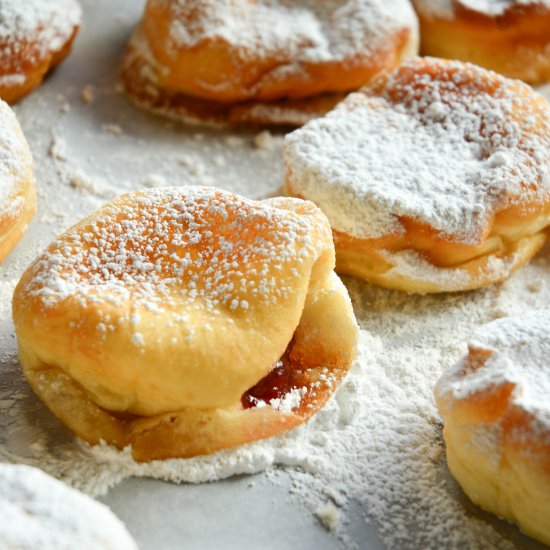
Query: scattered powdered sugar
45	24
442	151
40	512
265	140
57	149
328	515
377	442
83	182
88	94
307	31
288	402
446	8
520	350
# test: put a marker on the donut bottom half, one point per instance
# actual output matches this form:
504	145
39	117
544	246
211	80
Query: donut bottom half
412	272
319	356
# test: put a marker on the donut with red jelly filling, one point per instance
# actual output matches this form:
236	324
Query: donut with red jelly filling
182	321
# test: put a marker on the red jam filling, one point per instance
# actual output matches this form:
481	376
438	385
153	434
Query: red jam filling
275	385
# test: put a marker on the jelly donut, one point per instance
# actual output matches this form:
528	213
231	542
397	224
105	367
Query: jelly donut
508	36
182	321
434	178
17	186
262	61
35	35
40	512
497	420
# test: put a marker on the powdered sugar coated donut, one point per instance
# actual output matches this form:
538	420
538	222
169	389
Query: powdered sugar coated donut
511	37
434	178
497	420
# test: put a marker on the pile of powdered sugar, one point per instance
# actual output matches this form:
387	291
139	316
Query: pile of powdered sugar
449	154
44	24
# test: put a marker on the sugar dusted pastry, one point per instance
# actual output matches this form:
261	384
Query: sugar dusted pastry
186	320
35	35
511	37
497	420
39	512
17	186
262	62
435	178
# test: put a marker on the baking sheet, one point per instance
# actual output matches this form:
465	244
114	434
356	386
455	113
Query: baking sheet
85	134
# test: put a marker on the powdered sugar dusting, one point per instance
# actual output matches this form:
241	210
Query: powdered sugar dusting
307	30
40	512
32	29
141	247
15	160
442	151
520	348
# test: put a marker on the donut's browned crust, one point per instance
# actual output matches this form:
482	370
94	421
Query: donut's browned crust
515	43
